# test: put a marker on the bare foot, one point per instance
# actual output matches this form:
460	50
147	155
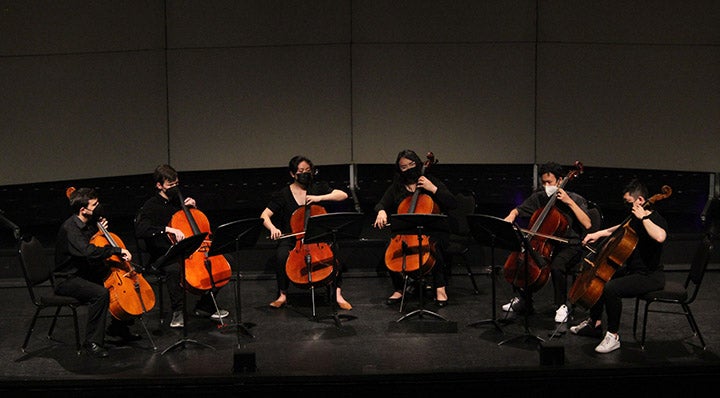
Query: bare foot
280	301
342	303
440	294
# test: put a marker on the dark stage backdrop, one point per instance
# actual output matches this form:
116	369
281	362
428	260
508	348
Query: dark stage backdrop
104	88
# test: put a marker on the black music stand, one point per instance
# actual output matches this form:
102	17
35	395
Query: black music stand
418	224
330	228
179	252
522	244
231	237
496	233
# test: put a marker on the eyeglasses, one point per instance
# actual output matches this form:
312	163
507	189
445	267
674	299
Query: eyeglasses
405	166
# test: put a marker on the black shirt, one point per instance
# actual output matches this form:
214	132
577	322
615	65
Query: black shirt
396	193
539	199
150	223
283	205
648	252
75	255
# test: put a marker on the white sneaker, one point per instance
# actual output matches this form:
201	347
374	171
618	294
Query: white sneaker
177	320
513	303
580	326
561	315
219	314
610	343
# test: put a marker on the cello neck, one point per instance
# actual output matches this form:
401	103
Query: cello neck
191	220
107	234
416	193
578	170
413	201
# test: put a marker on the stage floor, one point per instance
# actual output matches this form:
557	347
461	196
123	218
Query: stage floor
289	350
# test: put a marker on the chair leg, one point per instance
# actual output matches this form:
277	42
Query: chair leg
693	324
54	322
644	328
635	318
30	329
77	329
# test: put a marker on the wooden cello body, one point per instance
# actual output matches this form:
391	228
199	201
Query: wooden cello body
401	254
529	269
309	264
130	294
202	272
615	250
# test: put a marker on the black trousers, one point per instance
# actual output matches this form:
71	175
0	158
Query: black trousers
98	299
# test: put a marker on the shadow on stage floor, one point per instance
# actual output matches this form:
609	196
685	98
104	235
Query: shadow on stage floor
462	350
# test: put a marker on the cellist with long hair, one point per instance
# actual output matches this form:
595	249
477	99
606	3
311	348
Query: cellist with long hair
81	269
287	203
411	180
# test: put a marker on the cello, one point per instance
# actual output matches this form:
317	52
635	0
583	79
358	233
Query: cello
130	294
531	270
202	272
615	250
308	264
398	254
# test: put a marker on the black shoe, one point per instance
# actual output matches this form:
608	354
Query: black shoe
441	303
96	350
123	333
393	300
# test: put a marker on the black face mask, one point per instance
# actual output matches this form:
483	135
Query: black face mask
98	213
628	206
172	193
411	175
304	179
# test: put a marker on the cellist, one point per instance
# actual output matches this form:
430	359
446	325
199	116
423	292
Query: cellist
303	190
80	270
642	272
565	256
408	179
152	225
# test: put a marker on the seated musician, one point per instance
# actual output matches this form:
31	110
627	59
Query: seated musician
565	256
642	273
152	224
303	190
409	178
80	270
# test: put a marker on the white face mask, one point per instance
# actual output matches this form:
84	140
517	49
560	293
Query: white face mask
550	190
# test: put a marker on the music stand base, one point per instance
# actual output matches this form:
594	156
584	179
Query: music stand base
336	317
182	342
527	336
241	327
419	313
487	321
